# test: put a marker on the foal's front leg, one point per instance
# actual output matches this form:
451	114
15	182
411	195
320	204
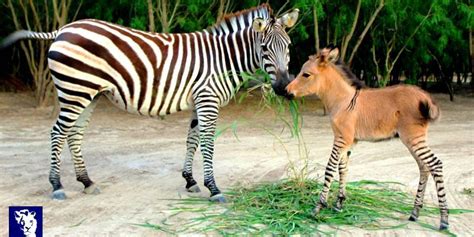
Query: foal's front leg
339	147
343	168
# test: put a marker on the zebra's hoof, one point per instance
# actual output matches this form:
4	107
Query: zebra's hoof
93	189
218	198
443	226
59	195
412	218
194	189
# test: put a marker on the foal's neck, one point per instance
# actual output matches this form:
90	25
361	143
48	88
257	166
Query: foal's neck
336	93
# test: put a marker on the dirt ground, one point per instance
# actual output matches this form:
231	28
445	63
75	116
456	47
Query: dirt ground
136	162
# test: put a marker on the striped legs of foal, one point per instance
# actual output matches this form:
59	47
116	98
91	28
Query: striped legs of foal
74	140
343	168
338	149
69	113
192	143
427	161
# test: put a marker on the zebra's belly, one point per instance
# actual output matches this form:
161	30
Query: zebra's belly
152	109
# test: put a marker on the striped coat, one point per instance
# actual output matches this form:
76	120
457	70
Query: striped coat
155	74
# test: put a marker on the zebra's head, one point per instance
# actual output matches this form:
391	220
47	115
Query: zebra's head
274	49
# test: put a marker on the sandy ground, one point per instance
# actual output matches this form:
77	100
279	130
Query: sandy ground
136	161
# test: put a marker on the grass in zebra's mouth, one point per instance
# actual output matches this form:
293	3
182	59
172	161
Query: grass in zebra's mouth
284	208
287	112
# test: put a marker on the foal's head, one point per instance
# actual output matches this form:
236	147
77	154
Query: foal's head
319	72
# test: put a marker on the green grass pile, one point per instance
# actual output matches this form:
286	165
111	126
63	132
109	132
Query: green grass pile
285	207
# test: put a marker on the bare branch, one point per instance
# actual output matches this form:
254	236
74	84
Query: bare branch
366	29
347	39
410	37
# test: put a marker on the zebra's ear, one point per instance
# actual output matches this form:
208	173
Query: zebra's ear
289	19
259	24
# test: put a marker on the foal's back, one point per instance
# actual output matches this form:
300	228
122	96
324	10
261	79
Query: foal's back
383	113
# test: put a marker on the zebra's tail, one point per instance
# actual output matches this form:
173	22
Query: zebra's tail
26	34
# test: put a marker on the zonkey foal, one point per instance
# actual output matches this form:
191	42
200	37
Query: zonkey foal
359	113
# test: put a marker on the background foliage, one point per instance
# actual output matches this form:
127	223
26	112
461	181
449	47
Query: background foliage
427	43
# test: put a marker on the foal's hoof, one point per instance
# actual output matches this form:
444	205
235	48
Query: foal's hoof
93	189
194	189
218	198
315	211
338	209
443	226
412	218
59	195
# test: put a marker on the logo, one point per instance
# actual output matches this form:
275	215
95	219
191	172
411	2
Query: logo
25	221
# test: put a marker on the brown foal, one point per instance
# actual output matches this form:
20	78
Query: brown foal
359	113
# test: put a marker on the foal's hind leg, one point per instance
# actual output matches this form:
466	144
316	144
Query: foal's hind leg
424	174
192	143
74	140
423	154
343	168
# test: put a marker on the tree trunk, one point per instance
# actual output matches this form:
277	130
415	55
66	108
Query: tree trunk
151	17
316	30
347	39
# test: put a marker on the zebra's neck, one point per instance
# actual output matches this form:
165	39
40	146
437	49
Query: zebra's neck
221	60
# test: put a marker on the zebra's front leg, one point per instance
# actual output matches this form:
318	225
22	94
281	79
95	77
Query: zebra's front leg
207	118
331	167
192	143
343	168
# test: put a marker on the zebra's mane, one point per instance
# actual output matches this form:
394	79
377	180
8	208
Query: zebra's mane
236	21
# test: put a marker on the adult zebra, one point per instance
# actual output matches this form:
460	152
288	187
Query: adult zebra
158	74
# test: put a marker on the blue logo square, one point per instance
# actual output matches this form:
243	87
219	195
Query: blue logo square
25	221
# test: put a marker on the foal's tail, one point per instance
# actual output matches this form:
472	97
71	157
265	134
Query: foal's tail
26	34
429	109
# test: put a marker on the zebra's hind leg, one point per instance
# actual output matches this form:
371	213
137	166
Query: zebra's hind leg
74	140
192	143
71	107
343	168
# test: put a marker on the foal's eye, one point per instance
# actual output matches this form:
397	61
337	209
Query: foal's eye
306	75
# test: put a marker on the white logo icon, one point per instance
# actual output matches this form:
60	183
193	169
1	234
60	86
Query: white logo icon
27	221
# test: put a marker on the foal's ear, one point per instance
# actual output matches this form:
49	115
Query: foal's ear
333	55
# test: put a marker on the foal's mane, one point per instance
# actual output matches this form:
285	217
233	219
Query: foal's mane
348	75
231	20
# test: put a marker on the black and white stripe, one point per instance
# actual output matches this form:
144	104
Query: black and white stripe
155	75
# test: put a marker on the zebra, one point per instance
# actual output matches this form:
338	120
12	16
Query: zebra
155	74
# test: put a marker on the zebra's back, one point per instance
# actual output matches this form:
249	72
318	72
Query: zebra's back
140	72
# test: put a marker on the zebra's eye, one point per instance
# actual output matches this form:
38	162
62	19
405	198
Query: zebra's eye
264	47
306	75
